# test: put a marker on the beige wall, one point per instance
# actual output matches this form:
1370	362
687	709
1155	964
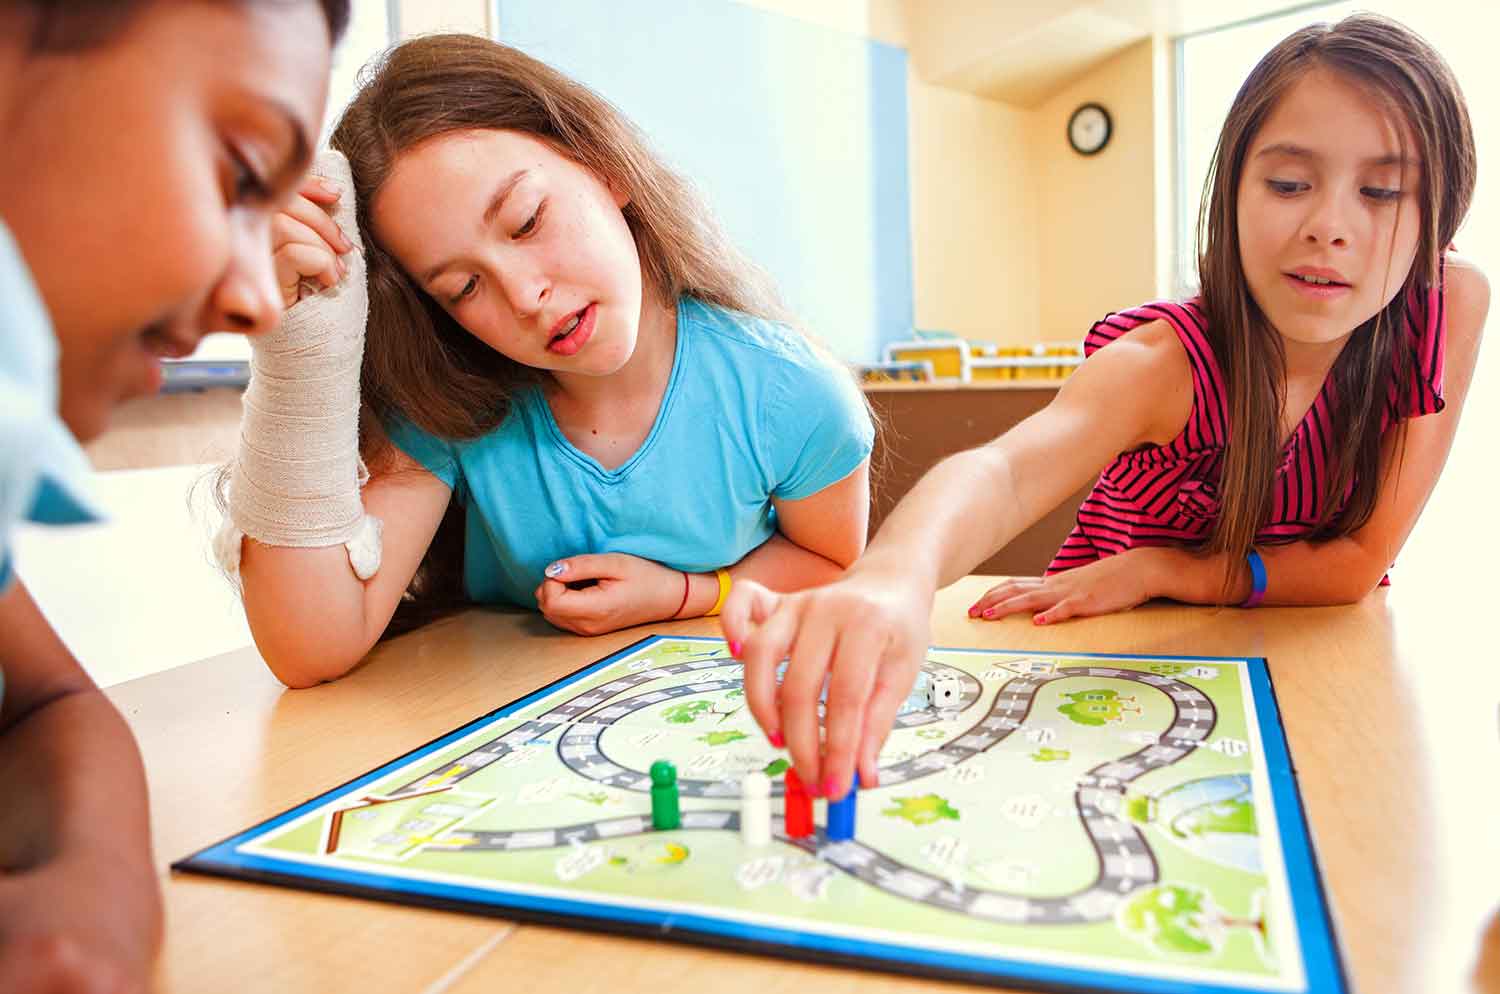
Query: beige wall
1097	232
1005	217
974	216
419	17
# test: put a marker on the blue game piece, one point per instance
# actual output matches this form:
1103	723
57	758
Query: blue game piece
841	814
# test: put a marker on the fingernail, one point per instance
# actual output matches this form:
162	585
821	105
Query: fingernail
329	188
735	649
974	611
826	790
1040	619
556	569
989	612
777	740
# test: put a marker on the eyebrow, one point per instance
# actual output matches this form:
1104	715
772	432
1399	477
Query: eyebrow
301	155
1302	152
497	201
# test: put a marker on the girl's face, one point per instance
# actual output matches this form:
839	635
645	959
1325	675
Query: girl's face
140	178
1328	214
527	249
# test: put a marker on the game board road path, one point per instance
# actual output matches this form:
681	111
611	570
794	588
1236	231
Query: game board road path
581	750
1125	860
575	713
1092	904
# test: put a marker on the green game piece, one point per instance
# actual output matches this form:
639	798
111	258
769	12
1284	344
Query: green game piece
666	814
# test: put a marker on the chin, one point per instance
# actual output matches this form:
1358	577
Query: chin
86	421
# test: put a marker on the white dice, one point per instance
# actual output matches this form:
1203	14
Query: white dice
944	691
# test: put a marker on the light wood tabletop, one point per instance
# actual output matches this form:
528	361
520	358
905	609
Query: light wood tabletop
1389	708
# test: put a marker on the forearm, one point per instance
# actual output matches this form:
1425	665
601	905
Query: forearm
308	612
75	795
1338	571
957	515
777	563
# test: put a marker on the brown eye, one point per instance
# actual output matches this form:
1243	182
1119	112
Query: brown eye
1285	187
246	185
467	291
531	222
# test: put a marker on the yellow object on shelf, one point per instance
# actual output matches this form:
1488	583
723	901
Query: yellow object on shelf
949	359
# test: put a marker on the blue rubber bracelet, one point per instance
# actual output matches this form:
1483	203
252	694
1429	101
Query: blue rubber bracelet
1257	579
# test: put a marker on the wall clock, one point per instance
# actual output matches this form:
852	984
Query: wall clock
1089	129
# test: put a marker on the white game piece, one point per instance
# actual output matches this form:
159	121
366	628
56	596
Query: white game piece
944	691
755	809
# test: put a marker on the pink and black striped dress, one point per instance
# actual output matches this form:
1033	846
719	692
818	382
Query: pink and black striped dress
1168	494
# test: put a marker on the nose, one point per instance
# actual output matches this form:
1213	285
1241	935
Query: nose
246	299
526	288
1327	221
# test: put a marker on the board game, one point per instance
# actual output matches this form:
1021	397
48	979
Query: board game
1072	821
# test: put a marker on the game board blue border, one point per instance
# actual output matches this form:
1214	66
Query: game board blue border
1321	961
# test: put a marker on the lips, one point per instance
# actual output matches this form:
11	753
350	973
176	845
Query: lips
1316	288
573	332
160	342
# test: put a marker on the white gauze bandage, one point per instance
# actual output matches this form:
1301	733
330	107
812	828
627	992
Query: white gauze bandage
296	478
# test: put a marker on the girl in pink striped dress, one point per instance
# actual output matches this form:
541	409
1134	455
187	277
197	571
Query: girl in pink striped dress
1270	441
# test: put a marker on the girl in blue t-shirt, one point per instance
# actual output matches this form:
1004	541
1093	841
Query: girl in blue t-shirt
574	395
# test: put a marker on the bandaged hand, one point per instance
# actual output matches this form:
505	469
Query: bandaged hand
296	478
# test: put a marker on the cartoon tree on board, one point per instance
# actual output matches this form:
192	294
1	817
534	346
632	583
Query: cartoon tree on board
1095	707
1180	919
722	738
925	810
686	712
1235	816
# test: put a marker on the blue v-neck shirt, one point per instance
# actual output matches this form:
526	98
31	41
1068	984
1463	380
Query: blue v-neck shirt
752	411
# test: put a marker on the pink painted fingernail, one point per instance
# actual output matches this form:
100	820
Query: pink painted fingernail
1040	619
777	740
989	612
735	649
827	788
974	611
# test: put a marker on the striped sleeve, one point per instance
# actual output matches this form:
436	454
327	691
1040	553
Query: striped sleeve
1419	360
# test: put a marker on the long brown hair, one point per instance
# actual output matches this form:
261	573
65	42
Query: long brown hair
419	363
1417	88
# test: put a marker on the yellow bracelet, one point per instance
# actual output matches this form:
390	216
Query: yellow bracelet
724	584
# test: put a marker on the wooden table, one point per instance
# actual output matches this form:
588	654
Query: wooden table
1389	706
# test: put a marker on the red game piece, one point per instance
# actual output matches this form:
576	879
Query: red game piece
799	820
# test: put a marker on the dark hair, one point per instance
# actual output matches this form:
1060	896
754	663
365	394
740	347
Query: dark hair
74	25
1416	87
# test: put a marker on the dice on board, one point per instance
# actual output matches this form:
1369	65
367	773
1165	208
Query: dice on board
944	691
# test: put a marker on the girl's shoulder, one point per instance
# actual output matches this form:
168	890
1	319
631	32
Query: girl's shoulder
1152	374
750	342
1466	298
1161	321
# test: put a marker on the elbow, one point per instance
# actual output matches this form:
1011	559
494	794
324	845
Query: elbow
1359	580
299	667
